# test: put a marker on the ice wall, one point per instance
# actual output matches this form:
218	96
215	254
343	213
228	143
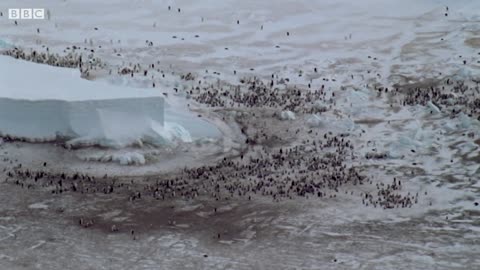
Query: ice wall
115	123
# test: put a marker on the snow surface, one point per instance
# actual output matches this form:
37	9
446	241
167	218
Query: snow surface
314	121
53	83
337	35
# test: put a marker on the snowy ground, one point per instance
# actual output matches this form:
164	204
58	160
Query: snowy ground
40	232
354	46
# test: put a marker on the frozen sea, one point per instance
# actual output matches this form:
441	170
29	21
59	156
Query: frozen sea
352	44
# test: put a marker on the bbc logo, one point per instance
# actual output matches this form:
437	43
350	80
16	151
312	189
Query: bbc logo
26	13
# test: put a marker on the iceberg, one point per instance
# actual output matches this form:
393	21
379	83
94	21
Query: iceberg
40	103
